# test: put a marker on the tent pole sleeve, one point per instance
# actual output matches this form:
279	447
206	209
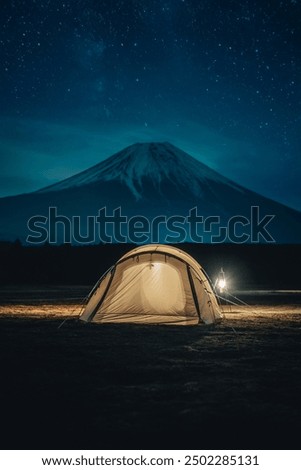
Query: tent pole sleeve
196	302
103	295
99	282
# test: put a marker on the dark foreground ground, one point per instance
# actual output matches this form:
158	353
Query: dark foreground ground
108	386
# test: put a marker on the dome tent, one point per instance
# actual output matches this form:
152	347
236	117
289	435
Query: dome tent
153	284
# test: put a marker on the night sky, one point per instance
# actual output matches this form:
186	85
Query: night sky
81	79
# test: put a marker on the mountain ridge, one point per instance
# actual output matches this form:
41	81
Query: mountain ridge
149	180
154	160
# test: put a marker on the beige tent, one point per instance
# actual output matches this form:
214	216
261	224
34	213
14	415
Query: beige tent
153	284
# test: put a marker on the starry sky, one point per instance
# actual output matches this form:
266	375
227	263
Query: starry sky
81	79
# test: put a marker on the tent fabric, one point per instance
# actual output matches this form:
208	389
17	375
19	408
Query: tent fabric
153	284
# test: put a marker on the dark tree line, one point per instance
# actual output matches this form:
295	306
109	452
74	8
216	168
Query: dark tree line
272	266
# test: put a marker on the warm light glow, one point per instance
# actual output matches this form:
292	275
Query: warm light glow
221	281
164	280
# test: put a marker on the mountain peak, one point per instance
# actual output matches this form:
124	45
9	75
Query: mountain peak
153	161
151	179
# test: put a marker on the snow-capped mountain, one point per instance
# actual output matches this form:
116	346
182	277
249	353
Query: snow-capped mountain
150	180
159	162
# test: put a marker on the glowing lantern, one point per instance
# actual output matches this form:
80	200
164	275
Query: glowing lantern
221	281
